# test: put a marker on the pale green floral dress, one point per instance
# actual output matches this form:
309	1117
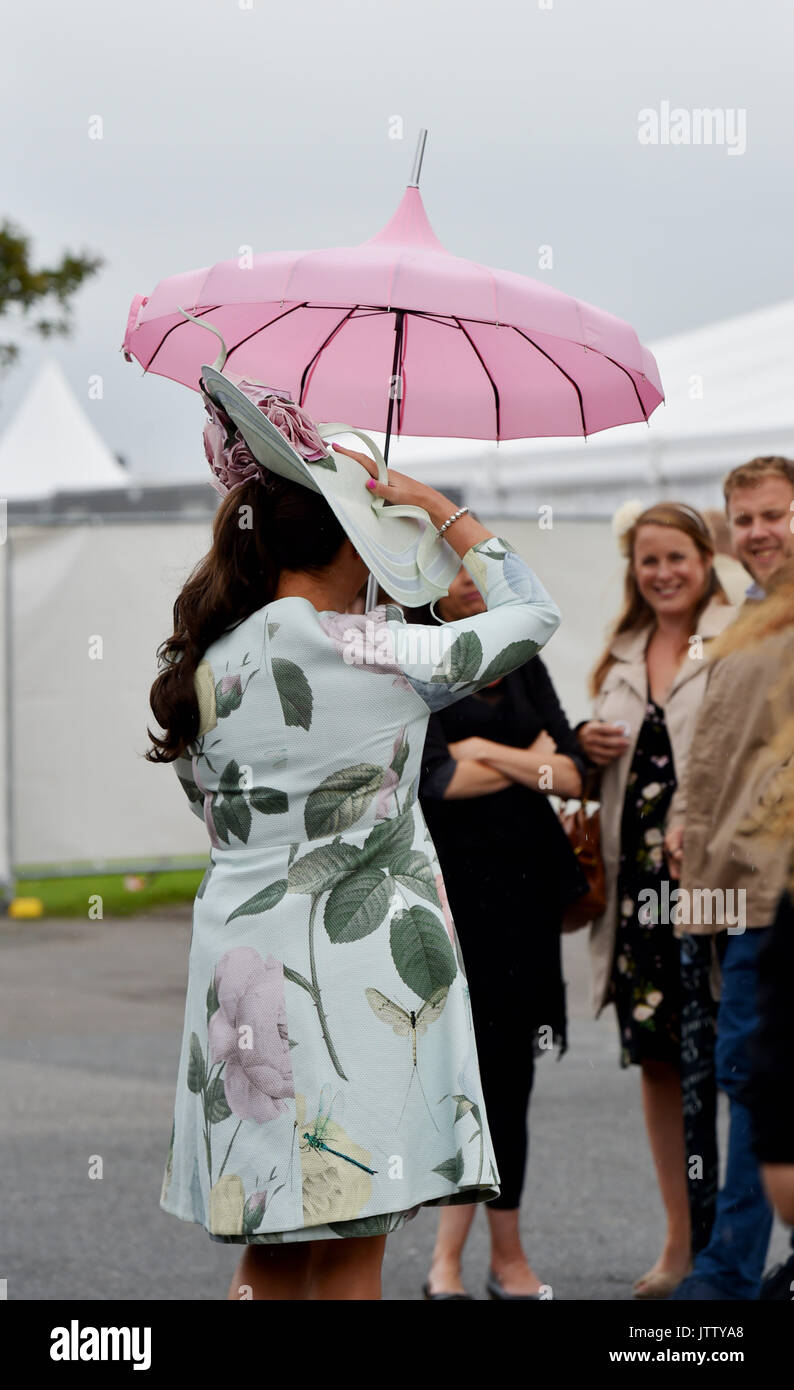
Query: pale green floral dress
328	1082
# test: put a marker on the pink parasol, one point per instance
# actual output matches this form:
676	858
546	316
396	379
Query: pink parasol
397	334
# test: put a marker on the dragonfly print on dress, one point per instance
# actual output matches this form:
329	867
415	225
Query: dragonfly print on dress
336	1177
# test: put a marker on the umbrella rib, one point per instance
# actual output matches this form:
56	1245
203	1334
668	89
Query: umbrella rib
633	382
494	387
262	327
169	331
567	376
320	349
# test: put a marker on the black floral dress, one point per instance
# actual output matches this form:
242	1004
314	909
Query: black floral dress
646	973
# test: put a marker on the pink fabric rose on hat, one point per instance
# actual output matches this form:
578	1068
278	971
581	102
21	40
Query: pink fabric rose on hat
295	423
227	453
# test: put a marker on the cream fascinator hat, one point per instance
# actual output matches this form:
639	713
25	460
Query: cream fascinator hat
398	543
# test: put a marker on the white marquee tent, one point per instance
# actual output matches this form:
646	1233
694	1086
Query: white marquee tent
51	445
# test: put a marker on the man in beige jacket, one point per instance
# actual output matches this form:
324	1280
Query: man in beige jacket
731	876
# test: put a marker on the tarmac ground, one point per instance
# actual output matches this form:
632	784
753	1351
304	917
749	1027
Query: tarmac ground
89	1043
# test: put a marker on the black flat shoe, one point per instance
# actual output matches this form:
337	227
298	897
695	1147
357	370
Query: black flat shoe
427	1294
494	1290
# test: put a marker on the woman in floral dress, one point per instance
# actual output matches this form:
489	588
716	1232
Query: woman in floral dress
648	687
646	982
328	1083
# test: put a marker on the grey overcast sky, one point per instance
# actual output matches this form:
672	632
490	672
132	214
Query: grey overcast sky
229	123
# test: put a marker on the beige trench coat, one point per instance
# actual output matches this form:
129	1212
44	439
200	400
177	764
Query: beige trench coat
624	696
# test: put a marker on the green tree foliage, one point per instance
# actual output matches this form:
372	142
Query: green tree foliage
27	291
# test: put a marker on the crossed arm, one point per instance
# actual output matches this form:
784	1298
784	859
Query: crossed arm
485	766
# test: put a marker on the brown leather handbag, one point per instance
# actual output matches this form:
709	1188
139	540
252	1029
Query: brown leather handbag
584	834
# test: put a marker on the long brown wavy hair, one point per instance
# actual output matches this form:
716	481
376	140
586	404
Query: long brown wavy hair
636	613
259	529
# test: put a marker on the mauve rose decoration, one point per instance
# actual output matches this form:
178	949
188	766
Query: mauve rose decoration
227	453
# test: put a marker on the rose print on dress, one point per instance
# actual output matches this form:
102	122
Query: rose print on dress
249	1034
247	1042
364	641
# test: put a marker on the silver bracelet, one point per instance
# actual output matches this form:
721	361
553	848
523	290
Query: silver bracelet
460	512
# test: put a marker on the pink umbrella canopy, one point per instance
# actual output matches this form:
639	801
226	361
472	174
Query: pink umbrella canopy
398	335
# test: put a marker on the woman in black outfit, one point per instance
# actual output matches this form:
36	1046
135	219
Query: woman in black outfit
489	764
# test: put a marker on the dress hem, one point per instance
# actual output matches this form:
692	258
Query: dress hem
462	1197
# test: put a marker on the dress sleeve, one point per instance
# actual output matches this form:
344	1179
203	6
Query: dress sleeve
445	663
438	764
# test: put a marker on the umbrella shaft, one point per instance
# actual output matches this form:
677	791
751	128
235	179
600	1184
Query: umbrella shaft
395	376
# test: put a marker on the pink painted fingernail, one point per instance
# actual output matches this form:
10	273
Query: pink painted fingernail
371	484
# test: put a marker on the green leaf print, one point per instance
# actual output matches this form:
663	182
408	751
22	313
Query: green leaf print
213	1003
341	799
294	692
451	1168
388	841
401	757
196	1069
216	1106
394	614
462	661
322	868
463	1106
231	816
421	951
508	659
190	788
357	906
379	1225
229	699
169	1164
206	879
494	554
301	980
229	780
269	801
414	870
261	902
272	629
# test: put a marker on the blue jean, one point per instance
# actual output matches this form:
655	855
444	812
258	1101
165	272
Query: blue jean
698	1084
733	1260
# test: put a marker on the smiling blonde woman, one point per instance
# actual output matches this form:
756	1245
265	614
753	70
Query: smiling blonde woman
647	687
